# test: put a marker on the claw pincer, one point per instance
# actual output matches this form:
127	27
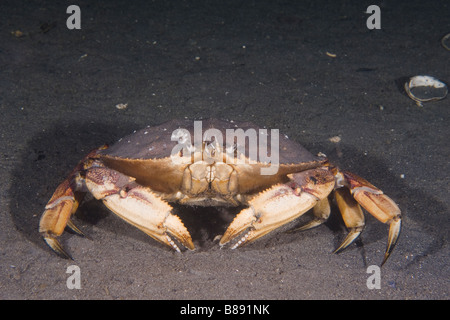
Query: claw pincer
279	205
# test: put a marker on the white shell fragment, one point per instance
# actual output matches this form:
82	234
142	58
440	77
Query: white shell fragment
335	139
121	106
445	41
425	88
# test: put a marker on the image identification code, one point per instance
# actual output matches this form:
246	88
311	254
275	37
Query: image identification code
228	309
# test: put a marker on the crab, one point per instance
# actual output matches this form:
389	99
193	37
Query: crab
139	176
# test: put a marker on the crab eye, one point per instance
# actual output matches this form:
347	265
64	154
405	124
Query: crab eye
210	148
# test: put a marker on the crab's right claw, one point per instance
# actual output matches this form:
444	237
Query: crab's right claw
138	206
147	212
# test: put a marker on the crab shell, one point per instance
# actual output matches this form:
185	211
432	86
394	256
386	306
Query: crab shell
215	163
148	156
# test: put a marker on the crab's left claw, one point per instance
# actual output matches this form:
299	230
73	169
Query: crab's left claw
279	205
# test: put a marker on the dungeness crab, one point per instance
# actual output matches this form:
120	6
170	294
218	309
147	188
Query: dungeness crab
139	176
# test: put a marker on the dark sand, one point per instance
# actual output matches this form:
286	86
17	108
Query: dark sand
262	61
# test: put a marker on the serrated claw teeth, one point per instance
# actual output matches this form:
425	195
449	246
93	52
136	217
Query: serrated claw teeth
173	244
176	228
241	241
243	221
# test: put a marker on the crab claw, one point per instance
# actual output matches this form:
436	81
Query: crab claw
138	206
279	205
151	215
